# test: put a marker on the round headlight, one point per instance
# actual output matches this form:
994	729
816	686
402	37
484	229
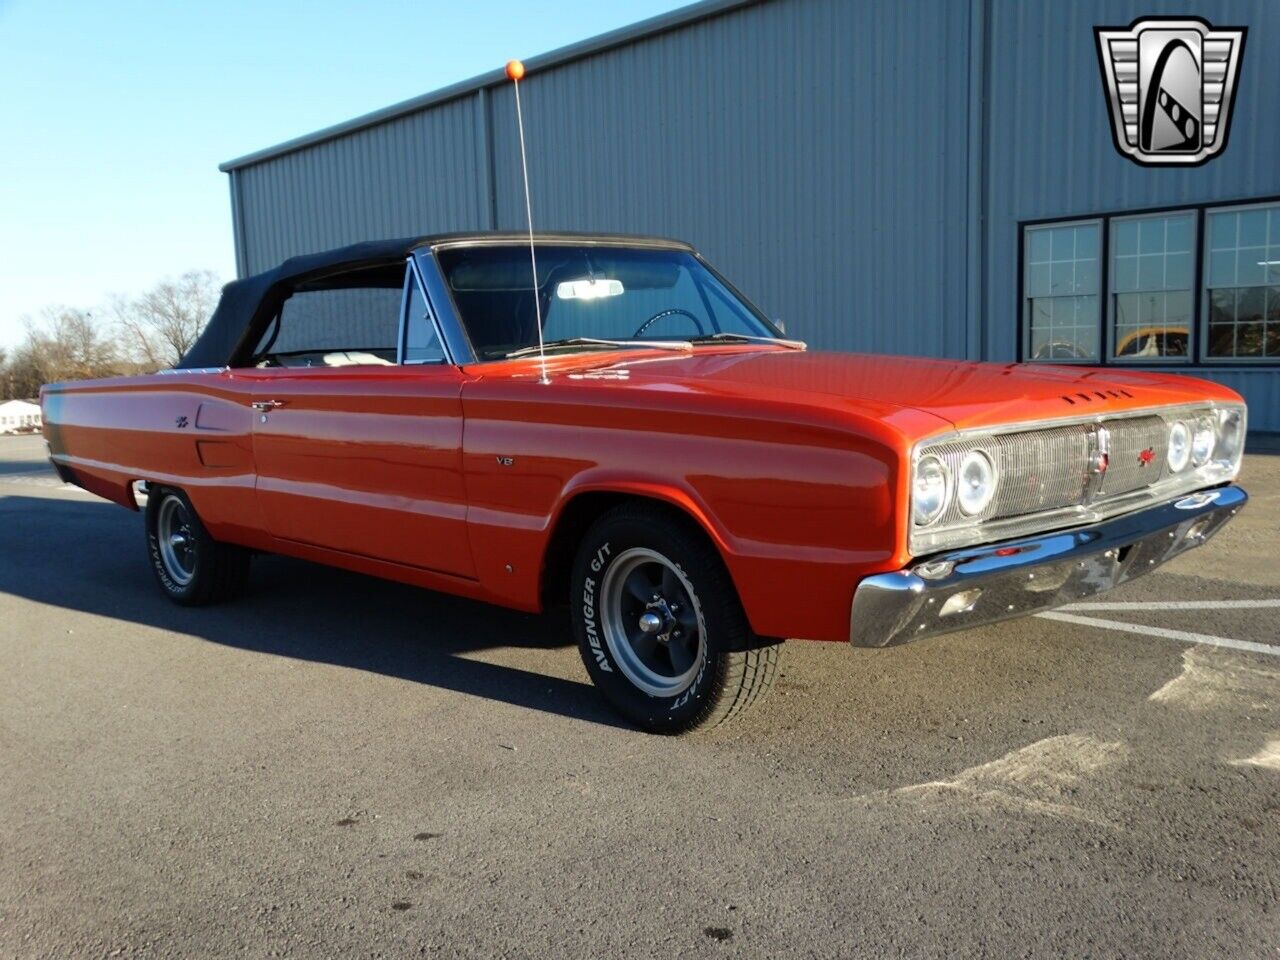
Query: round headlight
976	483
1202	442
1179	447
929	494
1230	434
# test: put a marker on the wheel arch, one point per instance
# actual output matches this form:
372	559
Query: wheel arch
583	505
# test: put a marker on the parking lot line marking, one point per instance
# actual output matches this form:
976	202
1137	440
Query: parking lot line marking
1179	605
1166	634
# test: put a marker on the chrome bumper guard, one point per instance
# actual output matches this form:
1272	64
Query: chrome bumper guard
998	581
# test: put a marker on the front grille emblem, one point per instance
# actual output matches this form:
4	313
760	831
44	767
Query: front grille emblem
1146	457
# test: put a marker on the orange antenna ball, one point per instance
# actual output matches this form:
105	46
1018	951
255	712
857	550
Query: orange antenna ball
515	70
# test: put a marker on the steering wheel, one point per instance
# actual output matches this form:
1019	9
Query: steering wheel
668	313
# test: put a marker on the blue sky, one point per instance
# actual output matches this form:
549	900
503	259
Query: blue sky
117	114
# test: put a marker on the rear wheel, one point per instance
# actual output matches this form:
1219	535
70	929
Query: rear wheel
660	626
191	567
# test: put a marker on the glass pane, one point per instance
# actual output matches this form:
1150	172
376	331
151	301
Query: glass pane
1086	276
1038	246
1150	272
1222	306
1250	304
1180	233
1177	275
1222	268
1063	278
1087	241
1222	339
1222	231
1063	328
1253	228
1038	279
1151	235
421	343
1127	310
1249	340
1063	243
1125	238
1178	307
1251	266
1124	275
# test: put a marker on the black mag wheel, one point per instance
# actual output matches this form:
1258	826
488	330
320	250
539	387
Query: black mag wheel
652	622
659	623
190	566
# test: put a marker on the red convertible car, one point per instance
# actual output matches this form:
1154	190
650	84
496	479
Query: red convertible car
692	484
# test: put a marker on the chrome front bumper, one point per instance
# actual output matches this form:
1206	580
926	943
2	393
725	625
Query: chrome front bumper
981	585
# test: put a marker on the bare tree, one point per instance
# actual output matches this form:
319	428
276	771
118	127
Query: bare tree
65	344
161	325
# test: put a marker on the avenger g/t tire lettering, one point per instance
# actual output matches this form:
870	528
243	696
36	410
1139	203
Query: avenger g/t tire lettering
659	624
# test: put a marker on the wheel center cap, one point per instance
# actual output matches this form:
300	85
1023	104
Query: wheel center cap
658	619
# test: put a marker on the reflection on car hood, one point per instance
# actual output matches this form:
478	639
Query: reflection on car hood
966	393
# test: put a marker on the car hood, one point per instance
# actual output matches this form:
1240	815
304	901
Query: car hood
964	393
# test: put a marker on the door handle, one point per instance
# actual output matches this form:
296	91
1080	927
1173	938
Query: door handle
265	405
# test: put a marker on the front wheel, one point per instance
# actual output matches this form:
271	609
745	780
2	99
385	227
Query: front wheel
660	626
191	567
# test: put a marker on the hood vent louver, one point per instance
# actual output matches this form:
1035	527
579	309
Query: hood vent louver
1077	399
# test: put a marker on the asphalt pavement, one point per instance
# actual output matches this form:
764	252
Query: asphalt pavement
336	766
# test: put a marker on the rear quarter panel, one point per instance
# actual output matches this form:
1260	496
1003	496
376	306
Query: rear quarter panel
192	430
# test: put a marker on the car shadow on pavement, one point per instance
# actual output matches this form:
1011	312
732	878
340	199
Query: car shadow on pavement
88	556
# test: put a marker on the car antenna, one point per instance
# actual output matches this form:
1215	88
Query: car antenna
515	73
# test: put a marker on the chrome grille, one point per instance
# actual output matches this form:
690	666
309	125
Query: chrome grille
1127	468
1042	469
1048	468
1061	473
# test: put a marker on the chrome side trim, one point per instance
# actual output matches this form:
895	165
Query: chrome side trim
177	371
1014	578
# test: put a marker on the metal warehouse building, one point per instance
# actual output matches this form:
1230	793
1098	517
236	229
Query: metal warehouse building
932	177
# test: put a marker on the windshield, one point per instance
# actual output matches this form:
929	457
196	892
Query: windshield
602	293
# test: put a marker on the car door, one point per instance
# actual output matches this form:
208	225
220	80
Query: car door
358	449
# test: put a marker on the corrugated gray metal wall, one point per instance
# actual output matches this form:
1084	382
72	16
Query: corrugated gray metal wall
833	157
1050	152
783	139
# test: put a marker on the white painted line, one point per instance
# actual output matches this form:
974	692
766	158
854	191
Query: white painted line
1156	605
1182	635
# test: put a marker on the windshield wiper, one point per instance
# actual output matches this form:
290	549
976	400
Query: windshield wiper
596	342
748	338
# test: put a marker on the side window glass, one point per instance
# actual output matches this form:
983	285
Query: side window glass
342	320
421	345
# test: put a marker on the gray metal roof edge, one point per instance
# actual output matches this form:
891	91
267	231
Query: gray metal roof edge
662	23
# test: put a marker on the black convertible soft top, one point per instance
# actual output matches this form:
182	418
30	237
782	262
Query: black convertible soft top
248	305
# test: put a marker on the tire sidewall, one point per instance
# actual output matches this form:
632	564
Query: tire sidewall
171	587
599	549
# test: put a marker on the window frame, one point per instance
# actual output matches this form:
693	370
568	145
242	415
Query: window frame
413	275
1024	301
1199	358
1206	305
1109	319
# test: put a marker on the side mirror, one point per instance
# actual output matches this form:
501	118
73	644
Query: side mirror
782	327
